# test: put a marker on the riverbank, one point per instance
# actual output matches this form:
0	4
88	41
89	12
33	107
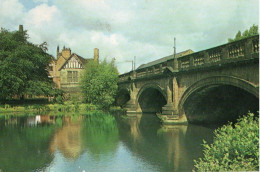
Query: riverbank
75	107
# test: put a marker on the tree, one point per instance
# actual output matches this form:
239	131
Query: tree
23	66
234	148
99	83
247	33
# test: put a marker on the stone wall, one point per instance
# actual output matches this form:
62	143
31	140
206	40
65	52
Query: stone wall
70	86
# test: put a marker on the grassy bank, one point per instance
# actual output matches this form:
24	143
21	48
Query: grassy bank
47	107
54	108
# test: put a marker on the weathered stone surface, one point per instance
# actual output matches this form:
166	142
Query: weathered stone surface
235	64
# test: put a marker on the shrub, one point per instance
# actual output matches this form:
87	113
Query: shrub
234	148
7	106
90	107
59	99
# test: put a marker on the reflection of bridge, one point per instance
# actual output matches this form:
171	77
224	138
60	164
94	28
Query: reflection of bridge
166	85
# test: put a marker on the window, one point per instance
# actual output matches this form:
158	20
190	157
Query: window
72	76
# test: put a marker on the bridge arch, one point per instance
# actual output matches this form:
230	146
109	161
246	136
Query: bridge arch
150	98
216	81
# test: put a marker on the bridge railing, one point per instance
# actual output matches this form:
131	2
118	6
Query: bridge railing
234	51
231	52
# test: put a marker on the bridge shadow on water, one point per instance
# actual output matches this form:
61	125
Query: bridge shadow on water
167	147
219	104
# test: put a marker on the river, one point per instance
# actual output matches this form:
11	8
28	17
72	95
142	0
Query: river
98	142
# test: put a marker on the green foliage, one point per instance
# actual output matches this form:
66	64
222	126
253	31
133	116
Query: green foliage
90	107
247	33
23	66
99	83
101	133
235	147
25	148
59	99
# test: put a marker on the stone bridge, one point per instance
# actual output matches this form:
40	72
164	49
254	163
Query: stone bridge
169	83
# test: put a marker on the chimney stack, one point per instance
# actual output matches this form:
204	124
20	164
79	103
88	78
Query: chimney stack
20	28
58	51
96	54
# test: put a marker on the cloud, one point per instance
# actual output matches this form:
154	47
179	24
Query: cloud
11	13
124	29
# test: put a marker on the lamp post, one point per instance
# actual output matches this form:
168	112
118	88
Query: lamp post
131	62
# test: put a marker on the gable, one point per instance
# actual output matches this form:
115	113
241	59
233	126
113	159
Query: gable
72	63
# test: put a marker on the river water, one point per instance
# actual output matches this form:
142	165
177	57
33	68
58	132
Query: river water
98	142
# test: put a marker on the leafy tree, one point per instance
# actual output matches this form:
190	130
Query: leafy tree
23	66
233	148
247	33
99	83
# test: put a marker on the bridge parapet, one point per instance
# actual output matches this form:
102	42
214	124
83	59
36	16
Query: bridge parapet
228	53
241	50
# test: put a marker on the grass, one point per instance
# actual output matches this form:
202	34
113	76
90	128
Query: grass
34	108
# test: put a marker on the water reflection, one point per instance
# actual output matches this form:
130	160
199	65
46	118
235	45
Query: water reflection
40	119
68	139
23	148
133	123
100	135
165	147
174	137
98	142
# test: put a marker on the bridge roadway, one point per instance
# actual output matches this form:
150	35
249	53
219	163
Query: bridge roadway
171	82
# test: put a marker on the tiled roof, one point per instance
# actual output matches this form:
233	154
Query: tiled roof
83	60
164	59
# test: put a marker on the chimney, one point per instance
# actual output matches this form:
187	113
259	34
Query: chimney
20	28
96	54
58	51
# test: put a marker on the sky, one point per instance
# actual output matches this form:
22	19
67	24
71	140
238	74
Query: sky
124	29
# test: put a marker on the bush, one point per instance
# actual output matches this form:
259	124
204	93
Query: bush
234	148
59	99
90	107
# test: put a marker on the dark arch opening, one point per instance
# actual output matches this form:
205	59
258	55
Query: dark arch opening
122	97
219	104
151	100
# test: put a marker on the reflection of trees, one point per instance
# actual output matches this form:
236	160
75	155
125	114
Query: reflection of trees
100	134
68	139
23	148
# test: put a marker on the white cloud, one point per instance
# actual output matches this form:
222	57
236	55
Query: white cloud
123	29
44	23
41	15
11	13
